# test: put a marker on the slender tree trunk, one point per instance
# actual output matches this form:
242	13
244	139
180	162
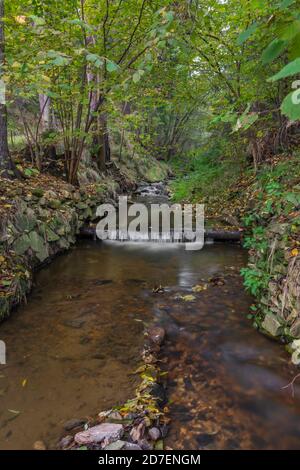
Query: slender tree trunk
45	110
7	167
104	156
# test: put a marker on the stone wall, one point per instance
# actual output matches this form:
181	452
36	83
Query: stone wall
42	223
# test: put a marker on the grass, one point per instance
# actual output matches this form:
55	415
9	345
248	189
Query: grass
204	176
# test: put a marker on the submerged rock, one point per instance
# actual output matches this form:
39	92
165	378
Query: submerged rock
156	334
103	432
66	442
76	323
39	445
73	423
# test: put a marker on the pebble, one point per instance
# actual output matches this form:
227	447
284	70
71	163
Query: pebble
154	434
65	442
156	334
39	445
73	423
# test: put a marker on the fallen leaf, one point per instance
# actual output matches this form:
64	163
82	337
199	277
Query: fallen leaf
199	288
188	298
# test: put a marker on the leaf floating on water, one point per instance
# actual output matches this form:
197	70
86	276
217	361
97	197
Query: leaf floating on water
24	383
15	412
188	298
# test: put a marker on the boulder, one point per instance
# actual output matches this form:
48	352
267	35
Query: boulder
295	329
272	325
107	432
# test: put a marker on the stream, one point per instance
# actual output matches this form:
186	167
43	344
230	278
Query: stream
73	349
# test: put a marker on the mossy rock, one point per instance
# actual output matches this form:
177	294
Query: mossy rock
22	244
25	222
64	244
51	235
38	246
54	204
38	192
81	205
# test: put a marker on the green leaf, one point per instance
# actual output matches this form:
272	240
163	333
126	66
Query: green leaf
273	51
111	66
95	59
246	34
286	3
289	108
246	121
293	198
290	69
37	20
81	23
138	75
291	31
170	16
58	59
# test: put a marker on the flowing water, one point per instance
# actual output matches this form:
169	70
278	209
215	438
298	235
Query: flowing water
73	348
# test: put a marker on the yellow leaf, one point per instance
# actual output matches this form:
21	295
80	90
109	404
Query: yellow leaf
188	298
20	19
295	252
2	259
199	288
24	383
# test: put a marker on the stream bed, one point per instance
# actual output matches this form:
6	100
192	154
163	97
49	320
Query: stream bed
73	349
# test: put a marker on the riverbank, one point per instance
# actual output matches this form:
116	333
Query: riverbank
40	218
266	207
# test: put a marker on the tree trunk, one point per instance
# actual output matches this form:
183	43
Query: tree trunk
7	167
45	110
104	153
